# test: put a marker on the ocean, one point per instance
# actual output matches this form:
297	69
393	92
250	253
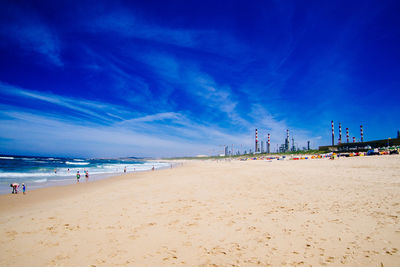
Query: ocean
37	172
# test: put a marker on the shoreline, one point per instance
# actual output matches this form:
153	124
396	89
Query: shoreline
42	195
71	179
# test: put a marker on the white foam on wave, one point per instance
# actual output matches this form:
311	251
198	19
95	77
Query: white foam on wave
6	157
40	181
78	159
28	158
119	167
40	161
76	163
23	174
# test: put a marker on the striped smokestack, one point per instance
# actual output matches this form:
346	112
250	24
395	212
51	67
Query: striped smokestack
362	133
347	134
340	133
354	139
256	148
333	134
269	144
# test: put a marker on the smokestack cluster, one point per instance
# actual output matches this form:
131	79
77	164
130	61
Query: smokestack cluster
347	134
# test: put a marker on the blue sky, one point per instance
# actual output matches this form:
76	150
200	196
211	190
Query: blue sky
178	78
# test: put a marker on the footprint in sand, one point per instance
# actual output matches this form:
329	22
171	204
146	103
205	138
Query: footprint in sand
187	244
12	234
171	254
133	237
173	222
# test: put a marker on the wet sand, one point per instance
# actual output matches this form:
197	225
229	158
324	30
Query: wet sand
308	212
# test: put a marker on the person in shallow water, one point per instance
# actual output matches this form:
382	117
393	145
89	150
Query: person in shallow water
87	175
78	176
23	188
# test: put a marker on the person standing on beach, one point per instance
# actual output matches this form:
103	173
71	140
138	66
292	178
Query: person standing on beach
125	169
23	188
87	175
78	176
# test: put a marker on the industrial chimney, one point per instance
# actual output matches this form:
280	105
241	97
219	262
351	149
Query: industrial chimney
362	133
256	148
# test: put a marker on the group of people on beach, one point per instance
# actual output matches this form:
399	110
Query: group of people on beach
78	175
15	186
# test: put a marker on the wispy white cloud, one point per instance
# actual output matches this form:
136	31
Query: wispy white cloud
159	134
126	24
188	77
221	99
241	115
54	134
166	133
91	109
129	87
155	117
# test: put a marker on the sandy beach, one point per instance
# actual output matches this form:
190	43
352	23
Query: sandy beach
207	213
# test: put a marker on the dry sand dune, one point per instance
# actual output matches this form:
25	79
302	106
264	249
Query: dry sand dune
314	212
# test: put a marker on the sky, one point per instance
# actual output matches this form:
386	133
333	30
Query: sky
182	78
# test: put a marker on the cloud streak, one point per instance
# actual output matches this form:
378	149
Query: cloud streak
168	133
90	109
126	24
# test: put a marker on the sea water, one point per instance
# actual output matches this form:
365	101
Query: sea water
37	172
